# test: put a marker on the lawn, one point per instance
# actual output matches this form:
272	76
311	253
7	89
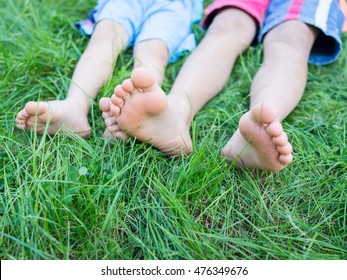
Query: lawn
63	197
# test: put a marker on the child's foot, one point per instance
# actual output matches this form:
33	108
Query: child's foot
143	110
260	141
60	115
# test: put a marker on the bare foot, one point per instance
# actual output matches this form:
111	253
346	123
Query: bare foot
260	141
142	110
60	115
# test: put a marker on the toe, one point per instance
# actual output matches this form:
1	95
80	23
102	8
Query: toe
285	159
264	113
142	78
110	120
115	110
285	150
121	135
280	140
105	104
36	108
120	92
107	114
275	129
114	127
22	115
117	100
127	86
20	124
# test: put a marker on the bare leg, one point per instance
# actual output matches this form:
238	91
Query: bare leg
93	69
152	55
260	141
145	112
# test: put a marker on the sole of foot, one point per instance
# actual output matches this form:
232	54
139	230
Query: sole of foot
260	142
142	110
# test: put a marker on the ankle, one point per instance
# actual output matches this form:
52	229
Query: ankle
83	104
183	107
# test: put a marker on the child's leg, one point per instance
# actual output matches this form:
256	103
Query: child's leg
92	70
260	141
153	55
145	112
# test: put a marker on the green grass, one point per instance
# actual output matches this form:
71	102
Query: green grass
91	199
